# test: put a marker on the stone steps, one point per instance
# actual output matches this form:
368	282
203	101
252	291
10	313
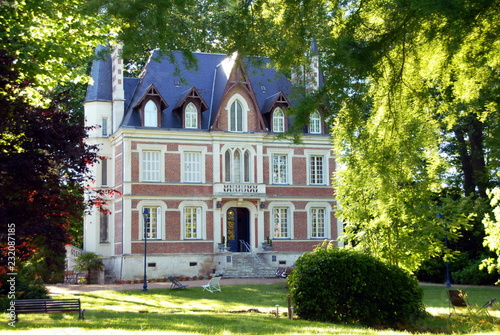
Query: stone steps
246	266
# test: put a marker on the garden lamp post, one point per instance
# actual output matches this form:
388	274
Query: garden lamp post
145	214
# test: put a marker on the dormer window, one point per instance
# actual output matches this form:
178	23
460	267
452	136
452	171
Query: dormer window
191	116
315	123
278	120
150	114
236	117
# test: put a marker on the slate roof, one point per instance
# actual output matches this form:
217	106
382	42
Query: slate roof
173	80
100	88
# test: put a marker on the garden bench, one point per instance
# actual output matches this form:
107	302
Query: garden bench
48	306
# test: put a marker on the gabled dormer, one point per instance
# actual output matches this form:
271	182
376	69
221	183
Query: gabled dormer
238	110
189	109
274	112
150	107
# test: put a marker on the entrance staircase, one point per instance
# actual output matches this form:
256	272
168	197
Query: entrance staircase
248	265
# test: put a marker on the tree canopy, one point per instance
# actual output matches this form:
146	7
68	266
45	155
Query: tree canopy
410	93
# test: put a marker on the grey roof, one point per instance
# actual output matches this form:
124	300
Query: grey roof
100	88
173	79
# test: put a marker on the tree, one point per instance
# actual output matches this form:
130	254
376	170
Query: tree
45	47
411	94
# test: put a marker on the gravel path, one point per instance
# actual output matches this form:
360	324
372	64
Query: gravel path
72	289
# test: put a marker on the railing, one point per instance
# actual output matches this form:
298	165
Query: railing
245	247
240	189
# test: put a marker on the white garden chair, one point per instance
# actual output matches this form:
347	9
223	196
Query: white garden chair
213	285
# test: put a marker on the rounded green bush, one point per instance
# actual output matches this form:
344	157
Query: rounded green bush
344	286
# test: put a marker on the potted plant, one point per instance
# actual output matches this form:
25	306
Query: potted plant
90	262
222	245
268	244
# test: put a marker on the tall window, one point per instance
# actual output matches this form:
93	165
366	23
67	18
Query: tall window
237	165
316	170
315	123
103	227
278	120
104	126
151	165
150	114
236	117
192	222
280	169
318	223
192	167
191	116
281	222
104	172
152	223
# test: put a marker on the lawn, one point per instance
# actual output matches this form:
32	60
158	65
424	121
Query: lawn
248	309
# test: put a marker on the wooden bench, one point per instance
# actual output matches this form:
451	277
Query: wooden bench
48	306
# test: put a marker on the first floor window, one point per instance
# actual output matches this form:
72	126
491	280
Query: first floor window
318	223
151	165
104	126
280	169
281	222
192	222
316	173
192	167
152	222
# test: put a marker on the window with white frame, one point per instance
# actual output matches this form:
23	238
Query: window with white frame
280	173
151	165
315	123
151	222
237	165
317	170
104	172
192	167
104	126
318	224
191	116
103	227
192	222
281	222
236	116
278	120
150	114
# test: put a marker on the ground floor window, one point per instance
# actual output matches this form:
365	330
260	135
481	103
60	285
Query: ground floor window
281	222
192	222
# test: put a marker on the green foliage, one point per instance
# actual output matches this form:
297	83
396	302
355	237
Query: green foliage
91	263
492	230
345	286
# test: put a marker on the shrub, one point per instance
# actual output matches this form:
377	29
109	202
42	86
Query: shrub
343	286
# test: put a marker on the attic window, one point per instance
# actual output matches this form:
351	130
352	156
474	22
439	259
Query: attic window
263	88
177	83
150	114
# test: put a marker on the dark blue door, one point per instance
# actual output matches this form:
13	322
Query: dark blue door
238	227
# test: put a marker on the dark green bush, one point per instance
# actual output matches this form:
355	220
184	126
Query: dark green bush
343	286
25	288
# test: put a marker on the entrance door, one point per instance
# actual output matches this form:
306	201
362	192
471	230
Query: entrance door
238	228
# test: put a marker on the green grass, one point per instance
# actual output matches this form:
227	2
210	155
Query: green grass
248	309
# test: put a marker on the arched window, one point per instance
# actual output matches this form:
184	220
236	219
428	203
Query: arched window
191	116
237	165
278	120
236	117
315	123
150	114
